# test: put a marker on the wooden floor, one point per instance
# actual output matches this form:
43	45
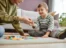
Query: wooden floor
55	45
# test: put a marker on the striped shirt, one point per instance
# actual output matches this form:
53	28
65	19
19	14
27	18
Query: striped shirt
46	24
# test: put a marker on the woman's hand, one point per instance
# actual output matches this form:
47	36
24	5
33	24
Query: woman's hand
26	20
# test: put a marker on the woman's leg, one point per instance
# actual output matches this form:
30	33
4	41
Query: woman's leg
2	30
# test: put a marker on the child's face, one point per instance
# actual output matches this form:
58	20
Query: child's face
42	11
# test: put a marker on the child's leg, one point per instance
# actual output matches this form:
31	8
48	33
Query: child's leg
55	32
61	34
36	33
2	30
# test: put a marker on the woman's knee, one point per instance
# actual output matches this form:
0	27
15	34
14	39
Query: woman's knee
2	30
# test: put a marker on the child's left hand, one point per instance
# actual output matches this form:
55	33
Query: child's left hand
45	36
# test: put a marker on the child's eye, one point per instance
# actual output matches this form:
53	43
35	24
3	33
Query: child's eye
41	9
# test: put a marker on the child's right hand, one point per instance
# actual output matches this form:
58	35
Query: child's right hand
33	26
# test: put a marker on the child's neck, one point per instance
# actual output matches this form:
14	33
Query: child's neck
44	16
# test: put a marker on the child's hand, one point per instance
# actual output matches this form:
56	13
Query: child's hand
33	27
45	36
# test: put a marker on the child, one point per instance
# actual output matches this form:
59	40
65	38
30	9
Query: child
45	23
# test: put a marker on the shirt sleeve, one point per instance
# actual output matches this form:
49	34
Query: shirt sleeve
18	28
5	18
36	24
51	24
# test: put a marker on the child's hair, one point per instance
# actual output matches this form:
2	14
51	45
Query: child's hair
43	4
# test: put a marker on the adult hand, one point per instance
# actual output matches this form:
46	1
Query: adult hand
25	35
26	20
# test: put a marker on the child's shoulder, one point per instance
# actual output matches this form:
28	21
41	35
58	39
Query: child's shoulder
39	17
50	16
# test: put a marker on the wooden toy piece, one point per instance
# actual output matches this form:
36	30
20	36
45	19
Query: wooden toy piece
7	37
19	39
14	38
11	37
29	37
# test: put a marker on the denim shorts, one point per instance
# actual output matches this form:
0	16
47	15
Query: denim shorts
2	30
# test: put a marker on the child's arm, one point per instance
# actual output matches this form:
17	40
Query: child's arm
35	26
51	24
50	27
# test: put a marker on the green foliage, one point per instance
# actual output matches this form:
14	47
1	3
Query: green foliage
62	20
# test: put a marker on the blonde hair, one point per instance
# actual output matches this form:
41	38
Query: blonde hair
43	4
